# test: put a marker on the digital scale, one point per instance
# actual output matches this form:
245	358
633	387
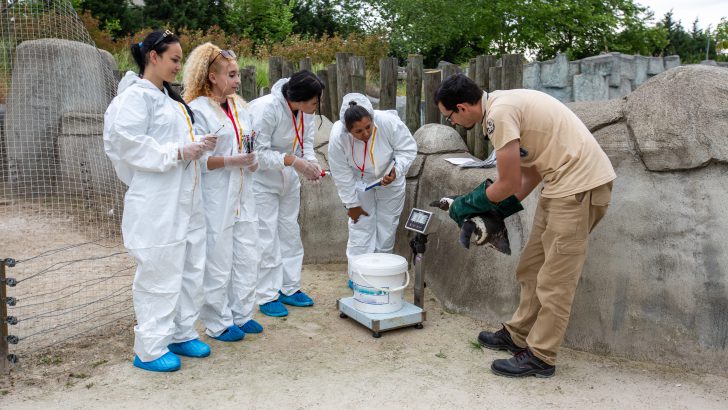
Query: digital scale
410	314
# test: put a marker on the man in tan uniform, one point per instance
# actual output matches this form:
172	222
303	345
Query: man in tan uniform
577	176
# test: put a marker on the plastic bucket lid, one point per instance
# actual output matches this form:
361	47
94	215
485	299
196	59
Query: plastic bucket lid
380	264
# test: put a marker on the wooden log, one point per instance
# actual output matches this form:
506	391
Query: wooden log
333	92
305	64
494	78
288	68
447	71
482	70
512	76
358	75
248	83
343	76
470	137
264	91
387	83
323	75
275	70
432	80
414	92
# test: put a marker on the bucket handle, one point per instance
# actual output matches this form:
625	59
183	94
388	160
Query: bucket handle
387	290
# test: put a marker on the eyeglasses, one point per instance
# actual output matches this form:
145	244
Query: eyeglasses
230	54
448	117
159	40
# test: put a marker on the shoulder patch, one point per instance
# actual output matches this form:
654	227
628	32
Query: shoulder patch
490	127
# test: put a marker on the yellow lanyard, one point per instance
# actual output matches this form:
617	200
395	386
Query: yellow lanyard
192	136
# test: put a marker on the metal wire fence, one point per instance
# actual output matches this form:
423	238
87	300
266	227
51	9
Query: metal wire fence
60	201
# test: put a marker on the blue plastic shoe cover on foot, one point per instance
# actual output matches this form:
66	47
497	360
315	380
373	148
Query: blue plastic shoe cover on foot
274	308
190	348
168	362
299	299
350	284
251	326
231	334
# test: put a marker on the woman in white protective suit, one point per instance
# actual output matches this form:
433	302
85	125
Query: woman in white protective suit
210	79
149	137
285	122
364	145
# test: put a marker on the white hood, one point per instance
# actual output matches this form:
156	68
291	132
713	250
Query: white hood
131	78
360	99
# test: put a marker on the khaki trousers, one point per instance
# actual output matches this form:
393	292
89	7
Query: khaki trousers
550	267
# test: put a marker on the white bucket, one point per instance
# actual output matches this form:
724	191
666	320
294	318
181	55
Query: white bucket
379	280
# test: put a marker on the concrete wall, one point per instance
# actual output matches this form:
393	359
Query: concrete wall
598	78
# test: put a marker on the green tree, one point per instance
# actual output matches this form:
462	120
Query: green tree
117	17
721	40
264	21
314	18
191	14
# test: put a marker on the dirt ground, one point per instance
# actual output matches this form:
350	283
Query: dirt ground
315	359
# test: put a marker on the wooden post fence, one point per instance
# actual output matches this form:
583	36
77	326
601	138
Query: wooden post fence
248	83
325	96
414	92
275	70
388	83
512	76
432	80
331	70
305	64
358	75
343	76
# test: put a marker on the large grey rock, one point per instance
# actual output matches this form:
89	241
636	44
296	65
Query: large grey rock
50	77
671	62
532	76
322	218
680	118
598	114
623	90
640	71
555	73
655	65
623	68
564	95
86	174
436	138
323	131
590	87
598	65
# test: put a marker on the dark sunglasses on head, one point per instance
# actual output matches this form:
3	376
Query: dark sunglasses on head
230	54
159	40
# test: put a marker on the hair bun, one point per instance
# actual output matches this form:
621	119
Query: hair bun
352	103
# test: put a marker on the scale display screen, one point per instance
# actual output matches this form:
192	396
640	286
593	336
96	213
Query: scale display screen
418	220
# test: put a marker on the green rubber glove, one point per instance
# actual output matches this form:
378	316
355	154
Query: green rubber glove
475	202
509	206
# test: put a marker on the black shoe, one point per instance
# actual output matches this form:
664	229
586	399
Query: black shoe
500	340
522	364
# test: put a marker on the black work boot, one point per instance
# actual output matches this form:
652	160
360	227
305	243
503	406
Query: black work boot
500	340
522	364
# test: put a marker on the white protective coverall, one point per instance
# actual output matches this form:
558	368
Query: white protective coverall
278	192
163	224
231	269
390	140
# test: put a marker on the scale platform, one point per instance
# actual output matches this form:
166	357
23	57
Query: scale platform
409	315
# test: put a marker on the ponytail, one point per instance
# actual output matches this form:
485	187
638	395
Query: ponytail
158	41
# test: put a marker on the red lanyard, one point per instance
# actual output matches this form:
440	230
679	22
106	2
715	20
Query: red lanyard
299	137
235	126
364	164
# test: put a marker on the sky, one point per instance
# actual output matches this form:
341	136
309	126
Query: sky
707	11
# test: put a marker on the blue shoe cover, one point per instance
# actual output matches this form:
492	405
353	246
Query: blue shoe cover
231	334
350	284
274	308
299	299
251	326
190	348
168	362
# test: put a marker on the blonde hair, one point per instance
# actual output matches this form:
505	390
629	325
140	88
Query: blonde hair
195	77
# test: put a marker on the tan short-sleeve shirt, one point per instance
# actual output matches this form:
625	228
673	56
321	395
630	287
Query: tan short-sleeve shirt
558	144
